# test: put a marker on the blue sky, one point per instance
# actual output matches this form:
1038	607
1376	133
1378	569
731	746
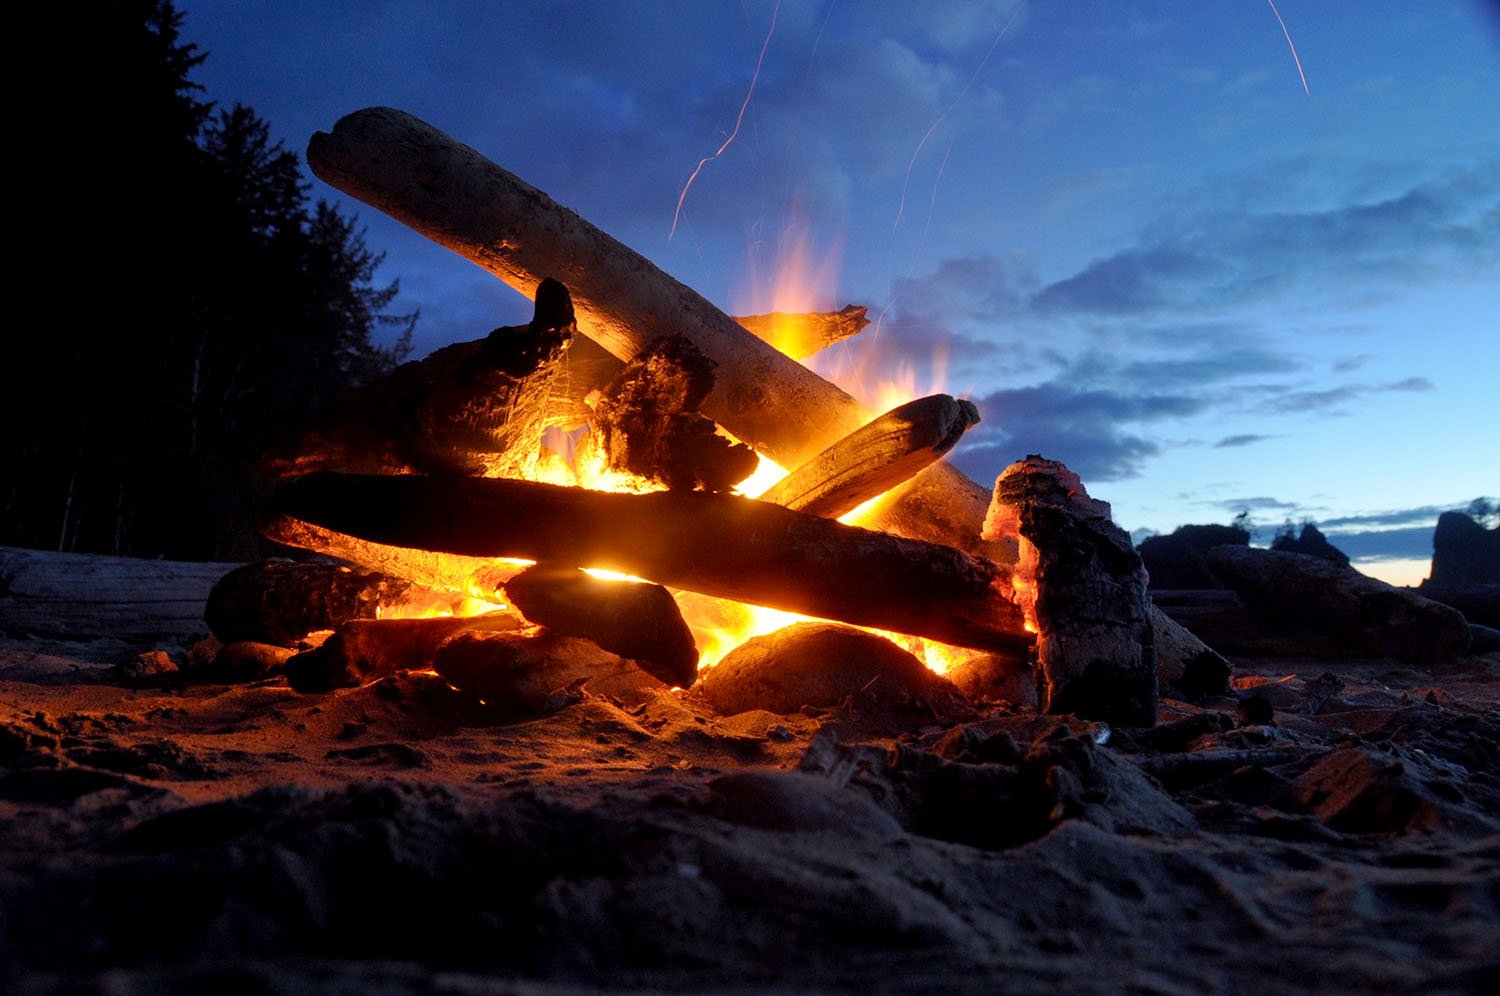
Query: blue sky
1125	229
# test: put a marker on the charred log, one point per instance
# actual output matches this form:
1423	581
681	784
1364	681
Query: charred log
875	457
720	545
1092	615
473	408
367	649
279	602
646	422
637	621
459	199
801	335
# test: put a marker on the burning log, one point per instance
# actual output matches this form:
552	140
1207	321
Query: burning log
646	422
801	335
876	457
367	649
477	576
1092	615
474	408
721	545
638	621
459	199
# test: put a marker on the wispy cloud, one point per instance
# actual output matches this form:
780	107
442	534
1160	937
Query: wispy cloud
1245	439
1296	402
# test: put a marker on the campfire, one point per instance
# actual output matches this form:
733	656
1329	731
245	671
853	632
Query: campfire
601	491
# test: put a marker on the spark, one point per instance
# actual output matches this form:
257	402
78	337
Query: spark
754	79
1291	46
901	207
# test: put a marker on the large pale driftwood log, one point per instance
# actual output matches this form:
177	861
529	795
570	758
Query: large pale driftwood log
1370	616
875	457
470	408
721	545
456	197
83	597
1088	591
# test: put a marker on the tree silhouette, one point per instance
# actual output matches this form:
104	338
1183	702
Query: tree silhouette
190	303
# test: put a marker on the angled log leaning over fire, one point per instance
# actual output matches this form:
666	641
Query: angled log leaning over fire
715	544
473	408
1088	592
454	196
366	649
875	457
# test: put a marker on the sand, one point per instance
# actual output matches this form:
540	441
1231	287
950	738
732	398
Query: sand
1332	827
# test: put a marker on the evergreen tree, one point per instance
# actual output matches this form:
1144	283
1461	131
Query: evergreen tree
191	303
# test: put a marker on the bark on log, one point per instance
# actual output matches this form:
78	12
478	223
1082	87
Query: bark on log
1370	616
279	602
876	457
367	649
473	408
637	621
1088	588
720	545
456	197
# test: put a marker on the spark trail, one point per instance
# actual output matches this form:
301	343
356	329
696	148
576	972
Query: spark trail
754	78
901	207
1291	46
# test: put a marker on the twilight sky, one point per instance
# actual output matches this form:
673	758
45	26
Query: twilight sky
1125	230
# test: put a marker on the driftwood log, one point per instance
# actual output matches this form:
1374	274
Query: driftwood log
453	195
875	457
1293	589
532	674
722	545
474	408
1087	587
84	597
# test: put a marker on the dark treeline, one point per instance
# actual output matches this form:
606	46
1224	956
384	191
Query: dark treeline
182	302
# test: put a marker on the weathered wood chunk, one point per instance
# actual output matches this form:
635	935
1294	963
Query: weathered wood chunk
636	620
279	602
646	422
1088	591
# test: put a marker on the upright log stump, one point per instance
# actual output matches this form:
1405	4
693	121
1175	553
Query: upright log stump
1087	591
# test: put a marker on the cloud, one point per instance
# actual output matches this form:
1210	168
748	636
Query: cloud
1295	402
1086	429
1208	257
1247	439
